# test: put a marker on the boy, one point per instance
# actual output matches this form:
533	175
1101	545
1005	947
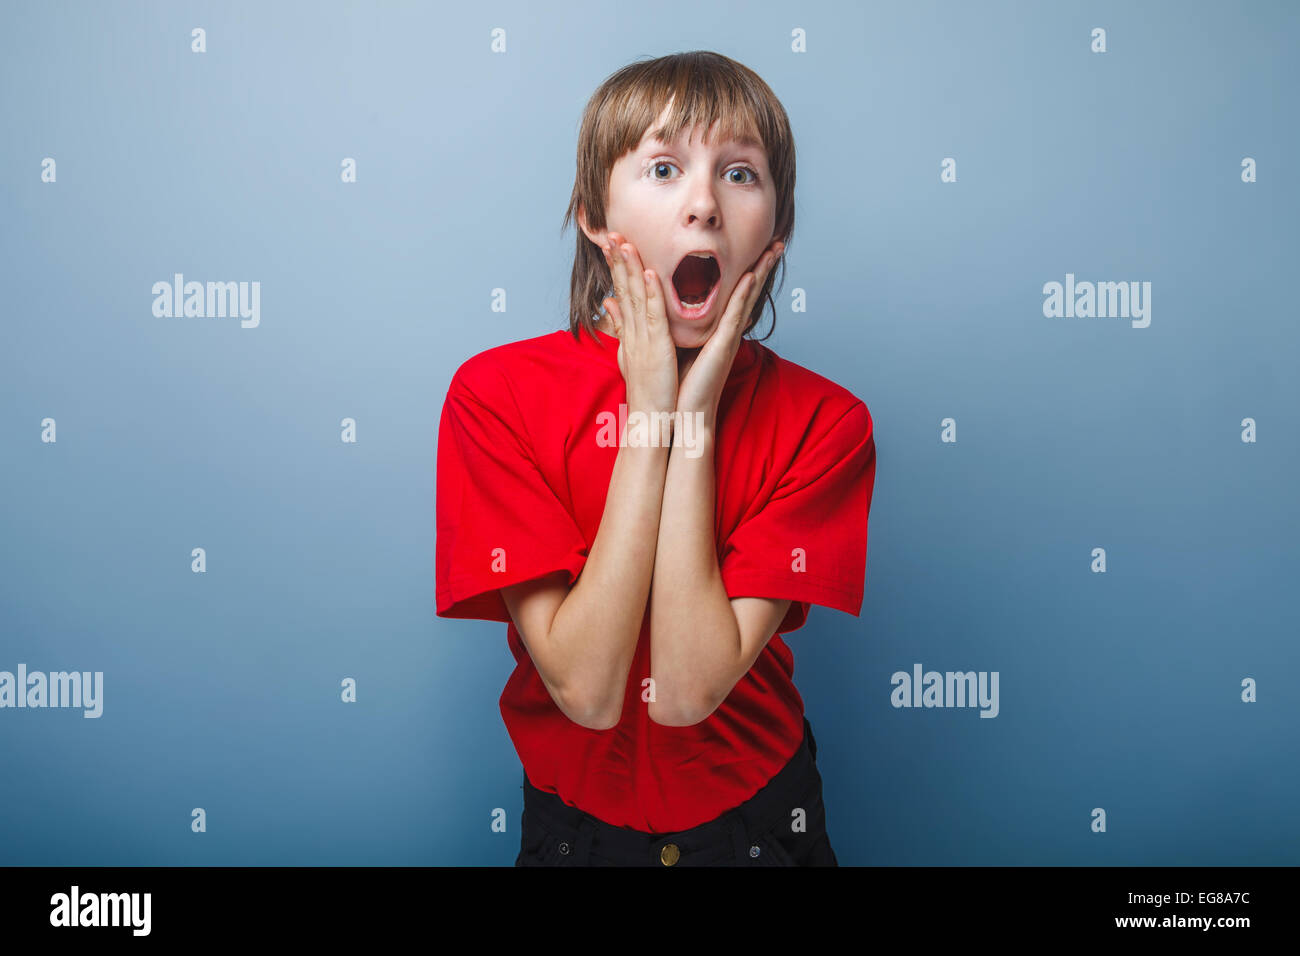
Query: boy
646	571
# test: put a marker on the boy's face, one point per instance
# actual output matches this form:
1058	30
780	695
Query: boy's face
670	199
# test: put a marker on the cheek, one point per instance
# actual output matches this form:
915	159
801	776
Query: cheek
642	209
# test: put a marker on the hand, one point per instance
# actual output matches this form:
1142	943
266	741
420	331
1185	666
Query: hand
647	357
705	373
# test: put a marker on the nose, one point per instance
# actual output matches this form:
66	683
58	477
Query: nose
702	204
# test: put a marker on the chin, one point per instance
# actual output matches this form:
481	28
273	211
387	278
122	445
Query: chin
691	336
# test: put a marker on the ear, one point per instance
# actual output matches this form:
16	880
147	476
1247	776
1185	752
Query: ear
597	237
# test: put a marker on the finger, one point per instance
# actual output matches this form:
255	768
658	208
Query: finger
732	324
617	268
635	287
765	266
738	309
615	317
655	308
766	263
610	304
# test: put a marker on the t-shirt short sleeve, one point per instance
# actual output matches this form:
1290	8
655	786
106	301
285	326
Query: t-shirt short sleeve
808	542
498	521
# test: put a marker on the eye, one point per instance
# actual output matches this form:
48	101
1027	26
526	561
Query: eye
656	165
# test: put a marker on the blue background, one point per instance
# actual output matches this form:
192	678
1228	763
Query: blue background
1118	690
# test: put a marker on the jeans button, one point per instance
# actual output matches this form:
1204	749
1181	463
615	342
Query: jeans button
669	854
753	851
564	848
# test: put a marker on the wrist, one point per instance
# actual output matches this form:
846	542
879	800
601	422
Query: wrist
694	434
647	404
645	428
703	418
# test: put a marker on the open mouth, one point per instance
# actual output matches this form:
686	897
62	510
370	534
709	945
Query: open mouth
695	283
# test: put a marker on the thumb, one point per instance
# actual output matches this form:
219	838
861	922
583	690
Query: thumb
615	316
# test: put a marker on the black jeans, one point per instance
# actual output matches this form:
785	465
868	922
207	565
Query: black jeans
765	830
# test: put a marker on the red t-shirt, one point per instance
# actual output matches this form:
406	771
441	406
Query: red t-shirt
521	486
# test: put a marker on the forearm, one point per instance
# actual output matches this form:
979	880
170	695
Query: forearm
694	636
594	634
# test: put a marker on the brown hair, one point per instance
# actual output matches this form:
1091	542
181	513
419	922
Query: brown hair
704	88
